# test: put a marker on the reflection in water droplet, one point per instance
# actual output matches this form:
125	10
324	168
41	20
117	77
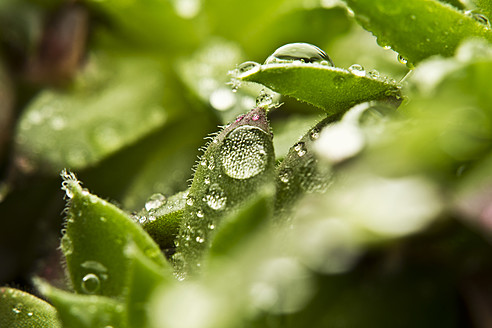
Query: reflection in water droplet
199	213
303	52
215	197
300	148
357	69
190	201
243	152
374	74
481	18
91	283
402	60
265	99
155	201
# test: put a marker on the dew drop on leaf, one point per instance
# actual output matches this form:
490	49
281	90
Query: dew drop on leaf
402	60
199	213
91	283
303	52
300	148
155	201
243	152
215	197
481	18
357	70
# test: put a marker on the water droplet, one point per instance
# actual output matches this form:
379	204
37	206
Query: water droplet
374	74
357	70
200	240
247	68
243	152
17	309
482	19
314	134
190	201
211	226
284	177
206	180
303	52
91	283
215	197
30	314
300	148
199	213
155	201
264	99
402	59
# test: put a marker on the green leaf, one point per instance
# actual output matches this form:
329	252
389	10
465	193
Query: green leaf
237	228
97	234
236	164
146	276
84	311
163	223
300	172
19	309
332	89
417	29
484	7
114	103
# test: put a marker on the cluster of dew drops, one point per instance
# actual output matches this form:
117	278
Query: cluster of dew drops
300	53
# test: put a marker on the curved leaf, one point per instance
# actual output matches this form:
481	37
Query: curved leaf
19	309
332	89
238	161
84	311
97	234
418	29
114	103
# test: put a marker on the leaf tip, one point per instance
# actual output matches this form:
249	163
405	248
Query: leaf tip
69	183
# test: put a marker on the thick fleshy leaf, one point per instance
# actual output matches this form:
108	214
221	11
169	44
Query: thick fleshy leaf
238	227
97	234
162	218
332	89
237	163
115	102
84	311
19	309
418	29
146	276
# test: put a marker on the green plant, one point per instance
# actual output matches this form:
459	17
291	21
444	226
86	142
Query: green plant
373	211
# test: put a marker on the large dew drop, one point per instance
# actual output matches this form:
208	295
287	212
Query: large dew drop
244	152
91	283
303	52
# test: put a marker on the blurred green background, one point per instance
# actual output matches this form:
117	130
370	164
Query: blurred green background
123	92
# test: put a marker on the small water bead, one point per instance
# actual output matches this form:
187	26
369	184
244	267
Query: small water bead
247	68
300	148
314	135
190	201
402	59
215	197
199	213
303	52
284	177
200	239
357	70
206	180
211	226
264	99
155	201
374	74
243	152
91	283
